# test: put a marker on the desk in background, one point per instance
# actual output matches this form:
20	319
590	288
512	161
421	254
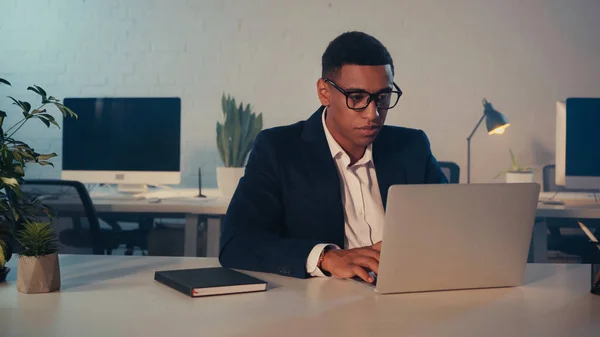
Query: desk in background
182	202
165	203
117	296
575	206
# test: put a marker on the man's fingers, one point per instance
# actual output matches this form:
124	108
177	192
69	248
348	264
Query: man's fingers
368	252
362	273
377	246
367	262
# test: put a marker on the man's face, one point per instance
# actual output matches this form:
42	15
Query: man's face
352	124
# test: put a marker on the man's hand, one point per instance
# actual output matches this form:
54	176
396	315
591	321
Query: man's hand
346	263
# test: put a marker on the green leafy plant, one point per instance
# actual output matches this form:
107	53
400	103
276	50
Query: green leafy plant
15	155
37	239
2	254
5	248
236	135
515	167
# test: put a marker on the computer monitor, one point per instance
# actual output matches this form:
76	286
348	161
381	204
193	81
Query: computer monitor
578	143
132	142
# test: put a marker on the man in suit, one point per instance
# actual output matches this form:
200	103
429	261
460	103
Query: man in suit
313	197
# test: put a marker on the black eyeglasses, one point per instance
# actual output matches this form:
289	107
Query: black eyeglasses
359	99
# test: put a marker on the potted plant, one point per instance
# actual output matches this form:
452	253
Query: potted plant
234	141
517	173
15	208
5	252
38	269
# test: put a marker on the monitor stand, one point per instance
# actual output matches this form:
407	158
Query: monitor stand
132	188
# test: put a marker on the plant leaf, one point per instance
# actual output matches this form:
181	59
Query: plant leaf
46	156
44	163
65	110
45	121
5	81
17	102
42	91
222	145
2	116
34	90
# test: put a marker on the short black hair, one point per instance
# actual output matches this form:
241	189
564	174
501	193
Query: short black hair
354	48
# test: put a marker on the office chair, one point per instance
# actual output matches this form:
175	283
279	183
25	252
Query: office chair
575	243
74	220
451	170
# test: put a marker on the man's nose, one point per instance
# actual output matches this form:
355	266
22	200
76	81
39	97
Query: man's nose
371	112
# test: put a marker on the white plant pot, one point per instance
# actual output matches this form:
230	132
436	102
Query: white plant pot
228	179
519	177
38	274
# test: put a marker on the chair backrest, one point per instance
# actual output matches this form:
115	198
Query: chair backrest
70	203
451	170
549	182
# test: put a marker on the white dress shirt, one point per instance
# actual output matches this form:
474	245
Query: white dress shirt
363	209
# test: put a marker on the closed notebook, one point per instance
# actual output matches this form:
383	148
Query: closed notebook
209	281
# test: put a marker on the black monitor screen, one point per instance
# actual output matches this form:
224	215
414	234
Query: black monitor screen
583	137
122	134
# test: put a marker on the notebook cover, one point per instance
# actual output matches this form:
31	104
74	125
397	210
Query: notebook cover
186	280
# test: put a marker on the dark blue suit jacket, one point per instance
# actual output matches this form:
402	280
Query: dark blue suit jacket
290	198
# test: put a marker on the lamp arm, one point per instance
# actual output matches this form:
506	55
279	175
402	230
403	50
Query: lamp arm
476	127
469	148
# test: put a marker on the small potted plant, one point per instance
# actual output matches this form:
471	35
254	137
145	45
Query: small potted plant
517	173
38	268
235	138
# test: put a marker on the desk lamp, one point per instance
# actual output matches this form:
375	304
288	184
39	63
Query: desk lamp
495	123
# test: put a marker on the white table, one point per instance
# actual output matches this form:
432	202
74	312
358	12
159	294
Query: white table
117	296
168	202
215	207
539	243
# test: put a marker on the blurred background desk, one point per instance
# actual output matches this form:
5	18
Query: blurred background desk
560	211
165	203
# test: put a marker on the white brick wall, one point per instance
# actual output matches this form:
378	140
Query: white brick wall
521	55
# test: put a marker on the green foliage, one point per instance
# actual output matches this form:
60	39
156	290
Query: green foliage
515	167
236	135
5	248
37	239
15	155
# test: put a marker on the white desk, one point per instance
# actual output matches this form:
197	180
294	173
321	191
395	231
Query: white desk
117	296
164	203
584	210
215	207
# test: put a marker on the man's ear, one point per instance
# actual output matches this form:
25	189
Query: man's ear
323	92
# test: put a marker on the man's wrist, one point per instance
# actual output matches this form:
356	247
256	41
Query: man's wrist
322	258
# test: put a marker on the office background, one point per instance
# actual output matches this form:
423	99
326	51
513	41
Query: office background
523	56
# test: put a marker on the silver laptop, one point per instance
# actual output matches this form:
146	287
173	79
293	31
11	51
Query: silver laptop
456	236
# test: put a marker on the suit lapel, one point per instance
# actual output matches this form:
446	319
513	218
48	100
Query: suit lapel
321	168
389	167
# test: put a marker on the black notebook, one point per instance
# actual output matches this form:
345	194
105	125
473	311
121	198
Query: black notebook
209	281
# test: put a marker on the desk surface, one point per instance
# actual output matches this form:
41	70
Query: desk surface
117	296
180	201
183	201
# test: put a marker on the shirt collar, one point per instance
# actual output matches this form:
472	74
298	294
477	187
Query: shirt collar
337	150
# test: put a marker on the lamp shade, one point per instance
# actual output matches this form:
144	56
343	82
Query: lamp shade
495	121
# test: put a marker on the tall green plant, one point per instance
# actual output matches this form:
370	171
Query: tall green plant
237	133
15	155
